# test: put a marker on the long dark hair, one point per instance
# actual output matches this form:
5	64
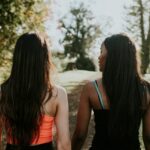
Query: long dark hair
26	89
124	86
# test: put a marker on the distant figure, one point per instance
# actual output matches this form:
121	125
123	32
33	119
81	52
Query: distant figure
30	104
120	100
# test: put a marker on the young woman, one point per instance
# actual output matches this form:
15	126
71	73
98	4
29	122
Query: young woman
120	100
30	103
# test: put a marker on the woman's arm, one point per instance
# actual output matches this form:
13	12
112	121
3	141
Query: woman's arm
62	121
83	118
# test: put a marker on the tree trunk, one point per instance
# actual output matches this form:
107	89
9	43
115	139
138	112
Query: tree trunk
145	41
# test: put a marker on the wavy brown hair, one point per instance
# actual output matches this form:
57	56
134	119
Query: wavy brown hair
26	89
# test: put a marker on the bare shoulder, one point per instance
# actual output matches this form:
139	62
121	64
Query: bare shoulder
61	92
88	88
60	89
88	85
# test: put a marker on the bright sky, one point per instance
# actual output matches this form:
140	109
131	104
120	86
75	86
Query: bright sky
104	11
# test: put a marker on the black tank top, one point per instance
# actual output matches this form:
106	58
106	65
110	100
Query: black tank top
101	140
45	146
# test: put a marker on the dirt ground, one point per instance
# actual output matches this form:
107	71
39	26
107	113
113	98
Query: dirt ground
73	105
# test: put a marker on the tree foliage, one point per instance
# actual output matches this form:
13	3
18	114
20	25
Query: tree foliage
85	63
139	25
16	17
79	34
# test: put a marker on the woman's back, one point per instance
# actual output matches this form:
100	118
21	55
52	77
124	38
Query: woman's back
102	139
30	103
119	102
48	116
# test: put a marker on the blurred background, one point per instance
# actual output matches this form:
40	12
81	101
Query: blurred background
75	30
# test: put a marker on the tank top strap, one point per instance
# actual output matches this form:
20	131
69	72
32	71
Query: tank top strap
99	94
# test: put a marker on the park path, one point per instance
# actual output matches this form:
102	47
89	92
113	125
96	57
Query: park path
73	82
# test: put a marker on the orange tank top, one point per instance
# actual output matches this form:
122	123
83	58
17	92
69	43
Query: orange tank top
45	134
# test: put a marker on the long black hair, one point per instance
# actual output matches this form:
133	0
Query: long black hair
124	86
26	89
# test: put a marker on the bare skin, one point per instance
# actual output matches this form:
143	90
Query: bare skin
57	107
89	100
102	57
